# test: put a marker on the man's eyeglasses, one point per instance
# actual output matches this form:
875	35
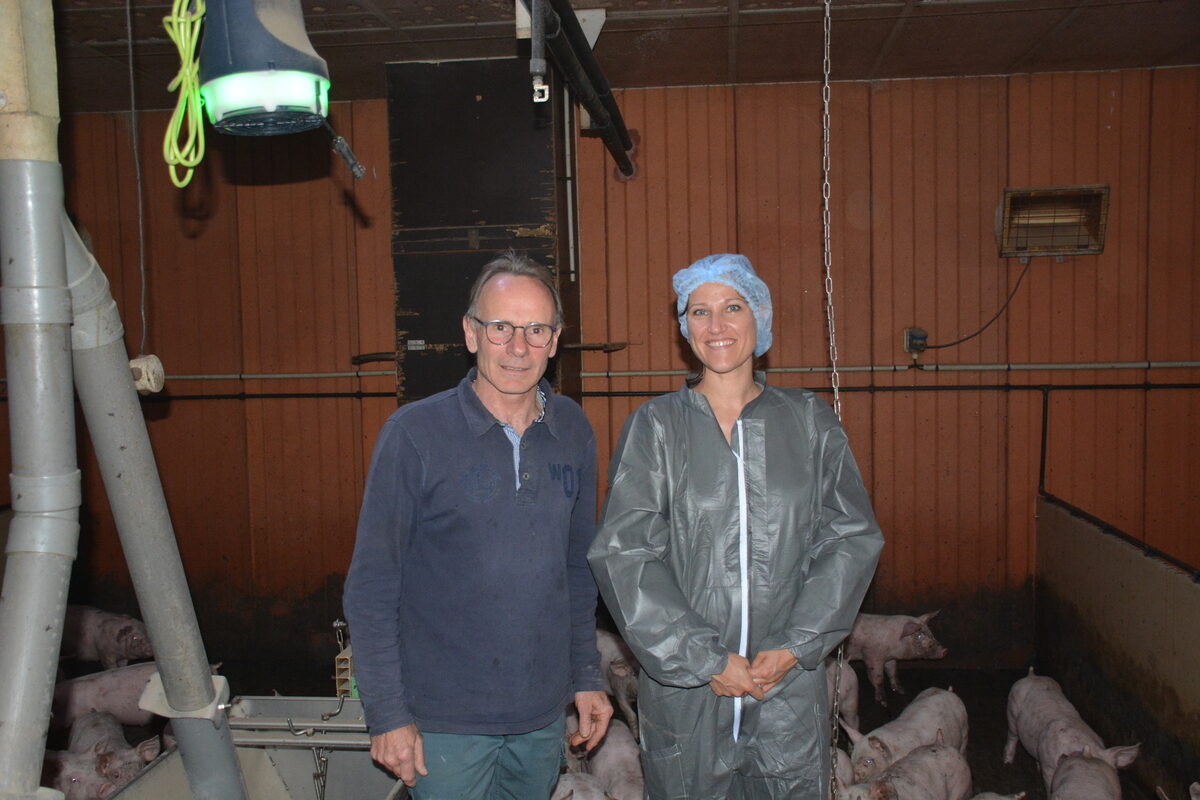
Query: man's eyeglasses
537	334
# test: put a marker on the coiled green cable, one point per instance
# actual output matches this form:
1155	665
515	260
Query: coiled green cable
184	29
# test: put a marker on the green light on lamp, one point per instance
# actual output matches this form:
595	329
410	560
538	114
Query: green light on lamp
298	99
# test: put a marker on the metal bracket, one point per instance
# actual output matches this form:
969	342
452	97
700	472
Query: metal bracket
541	90
154	700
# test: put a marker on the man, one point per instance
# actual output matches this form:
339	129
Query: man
469	597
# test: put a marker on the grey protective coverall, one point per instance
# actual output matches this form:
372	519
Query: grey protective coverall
682	509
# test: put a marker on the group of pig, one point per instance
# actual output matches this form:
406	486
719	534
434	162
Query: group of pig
916	756
93	709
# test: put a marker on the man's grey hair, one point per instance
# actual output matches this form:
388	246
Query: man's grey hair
514	263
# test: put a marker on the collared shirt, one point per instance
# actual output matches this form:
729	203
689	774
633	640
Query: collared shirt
470	602
515	438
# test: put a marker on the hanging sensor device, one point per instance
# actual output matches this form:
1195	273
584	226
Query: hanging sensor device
259	74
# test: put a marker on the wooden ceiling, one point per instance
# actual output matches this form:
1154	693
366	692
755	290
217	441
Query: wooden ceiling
663	42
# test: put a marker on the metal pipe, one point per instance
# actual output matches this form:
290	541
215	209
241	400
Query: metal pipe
607	126
118	433
595	75
35	309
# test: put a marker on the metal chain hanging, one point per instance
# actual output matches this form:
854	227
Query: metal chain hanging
827	252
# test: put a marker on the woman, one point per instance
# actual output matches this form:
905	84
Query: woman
736	544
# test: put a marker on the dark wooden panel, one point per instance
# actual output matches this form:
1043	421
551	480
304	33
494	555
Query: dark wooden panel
473	173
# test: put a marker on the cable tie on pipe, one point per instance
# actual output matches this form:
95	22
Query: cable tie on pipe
32	305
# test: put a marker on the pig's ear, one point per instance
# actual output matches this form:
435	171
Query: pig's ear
149	749
910	628
941	739
1194	791
855	736
926	617
881	746
124	633
1121	757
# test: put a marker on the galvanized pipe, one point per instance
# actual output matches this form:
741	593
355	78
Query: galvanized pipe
35	309
118	432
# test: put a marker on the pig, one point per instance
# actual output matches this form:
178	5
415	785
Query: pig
577	786
76	775
847	689
100	733
931	712
115	691
114	640
879	641
994	796
1193	792
1083	776
843	769
855	791
1049	727
616	762
930	772
619	668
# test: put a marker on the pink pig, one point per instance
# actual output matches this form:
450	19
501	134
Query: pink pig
100	733
880	641
1049	727
114	640
934	713
847	689
1082	776
931	772
76	775
115	691
616	762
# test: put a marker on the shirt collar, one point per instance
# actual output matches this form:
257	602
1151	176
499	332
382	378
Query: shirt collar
479	419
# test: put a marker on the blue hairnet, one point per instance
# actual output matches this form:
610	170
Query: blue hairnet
734	271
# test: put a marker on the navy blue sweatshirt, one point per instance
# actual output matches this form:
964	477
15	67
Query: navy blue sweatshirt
470	602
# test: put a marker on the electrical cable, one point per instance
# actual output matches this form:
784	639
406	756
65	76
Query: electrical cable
990	321
135	143
184	29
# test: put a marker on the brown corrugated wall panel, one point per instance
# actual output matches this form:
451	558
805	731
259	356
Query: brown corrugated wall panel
1173	417
376	288
1076	129
296	244
679	207
940	487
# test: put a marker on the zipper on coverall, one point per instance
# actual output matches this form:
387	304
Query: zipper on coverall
743	566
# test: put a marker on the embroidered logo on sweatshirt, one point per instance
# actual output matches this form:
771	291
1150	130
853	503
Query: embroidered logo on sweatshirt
567	476
479	483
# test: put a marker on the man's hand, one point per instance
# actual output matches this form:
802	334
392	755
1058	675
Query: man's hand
401	752
735	680
770	666
594	713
